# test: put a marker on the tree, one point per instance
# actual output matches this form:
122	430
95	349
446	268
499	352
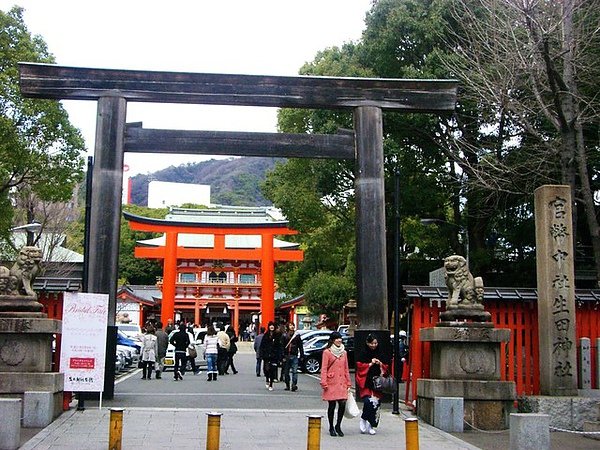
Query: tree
534	66
134	270
40	151
327	293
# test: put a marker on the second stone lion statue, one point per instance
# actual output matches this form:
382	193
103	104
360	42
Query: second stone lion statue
464	291
19	279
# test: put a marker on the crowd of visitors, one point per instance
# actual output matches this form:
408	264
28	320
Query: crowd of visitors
275	347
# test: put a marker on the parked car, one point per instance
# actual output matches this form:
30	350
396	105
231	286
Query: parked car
123	339
315	342
311	363
132	354
307	335
343	329
120	361
200	361
134	345
131	330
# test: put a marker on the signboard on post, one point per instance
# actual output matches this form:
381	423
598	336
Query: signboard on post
83	347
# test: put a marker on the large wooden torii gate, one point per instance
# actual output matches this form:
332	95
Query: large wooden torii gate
367	97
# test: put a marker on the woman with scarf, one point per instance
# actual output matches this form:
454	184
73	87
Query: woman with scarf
335	381
369	365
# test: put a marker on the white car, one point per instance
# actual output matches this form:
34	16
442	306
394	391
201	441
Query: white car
308	336
200	361
120	361
132	354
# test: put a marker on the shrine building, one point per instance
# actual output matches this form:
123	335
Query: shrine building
218	263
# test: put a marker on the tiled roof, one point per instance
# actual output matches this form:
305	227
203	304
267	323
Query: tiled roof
292	302
148	293
493	293
43	284
226	215
51	246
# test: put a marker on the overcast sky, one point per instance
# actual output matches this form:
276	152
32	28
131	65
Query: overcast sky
262	37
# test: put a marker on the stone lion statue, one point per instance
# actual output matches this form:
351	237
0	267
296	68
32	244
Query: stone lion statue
25	269
464	291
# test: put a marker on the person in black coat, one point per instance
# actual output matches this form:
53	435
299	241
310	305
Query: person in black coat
181	341
232	350
271	352
292	352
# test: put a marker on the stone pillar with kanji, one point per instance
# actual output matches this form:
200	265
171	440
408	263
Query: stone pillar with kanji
556	290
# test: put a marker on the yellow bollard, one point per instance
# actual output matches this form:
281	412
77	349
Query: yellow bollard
115	429
314	433
411	430
213	431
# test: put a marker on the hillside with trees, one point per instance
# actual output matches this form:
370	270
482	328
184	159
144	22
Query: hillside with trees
233	181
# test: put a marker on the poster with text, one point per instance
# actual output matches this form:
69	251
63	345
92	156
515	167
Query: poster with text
83	346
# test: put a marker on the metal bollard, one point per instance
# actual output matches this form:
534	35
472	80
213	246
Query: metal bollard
411	430
115	430
213	431
313	441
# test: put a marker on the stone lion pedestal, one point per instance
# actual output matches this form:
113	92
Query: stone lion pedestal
465	359
26	336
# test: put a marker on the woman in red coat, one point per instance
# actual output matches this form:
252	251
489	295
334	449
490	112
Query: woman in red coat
335	381
368	366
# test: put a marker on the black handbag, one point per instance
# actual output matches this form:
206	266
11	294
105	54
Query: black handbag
385	384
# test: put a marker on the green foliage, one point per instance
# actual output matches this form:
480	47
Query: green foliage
327	293
442	161
39	149
134	270
190	206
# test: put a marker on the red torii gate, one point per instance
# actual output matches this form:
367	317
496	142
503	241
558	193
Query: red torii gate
171	252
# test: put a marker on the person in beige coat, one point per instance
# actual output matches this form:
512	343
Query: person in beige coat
335	381
223	356
149	352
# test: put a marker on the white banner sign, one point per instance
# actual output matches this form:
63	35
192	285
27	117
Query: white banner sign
83	346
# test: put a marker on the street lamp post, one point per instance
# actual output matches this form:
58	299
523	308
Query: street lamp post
396	294
461	229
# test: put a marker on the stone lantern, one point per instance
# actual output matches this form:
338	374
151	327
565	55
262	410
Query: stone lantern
307	322
350	308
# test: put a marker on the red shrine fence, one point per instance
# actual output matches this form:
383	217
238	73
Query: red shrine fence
519	357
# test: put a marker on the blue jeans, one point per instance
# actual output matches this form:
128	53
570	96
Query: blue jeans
291	363
211	363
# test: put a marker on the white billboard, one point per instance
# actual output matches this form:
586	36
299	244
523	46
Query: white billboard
162	194
83	345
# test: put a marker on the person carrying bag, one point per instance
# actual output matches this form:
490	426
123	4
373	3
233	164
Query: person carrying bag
368	368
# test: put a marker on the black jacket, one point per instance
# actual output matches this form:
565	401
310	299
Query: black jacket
292	345
180	340
232	340
270	347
